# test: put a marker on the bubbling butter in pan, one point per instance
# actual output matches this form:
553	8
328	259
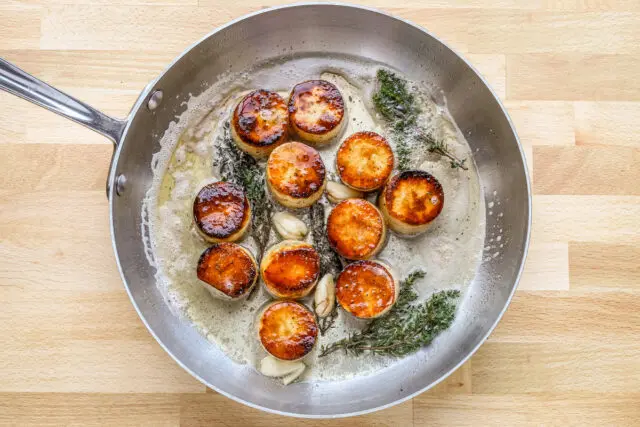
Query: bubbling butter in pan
450	251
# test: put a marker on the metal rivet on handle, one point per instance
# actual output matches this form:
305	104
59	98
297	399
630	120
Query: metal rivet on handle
154	100
121	181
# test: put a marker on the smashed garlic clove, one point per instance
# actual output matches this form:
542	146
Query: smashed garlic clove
272	367
288	371
337	192
325	296
288	379
289	226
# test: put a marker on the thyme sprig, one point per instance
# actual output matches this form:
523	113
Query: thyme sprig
240	168
396	104
326	323
440	147
406	328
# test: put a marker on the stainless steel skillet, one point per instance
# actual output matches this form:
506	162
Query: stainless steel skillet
320	28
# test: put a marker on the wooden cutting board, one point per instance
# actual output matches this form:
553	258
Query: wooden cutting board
72	349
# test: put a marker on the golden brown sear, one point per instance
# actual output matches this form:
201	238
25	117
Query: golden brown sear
228	269
316	110
221	212
411	200
290	269
260	122
364	161
287	330
296	175
366	289
356	229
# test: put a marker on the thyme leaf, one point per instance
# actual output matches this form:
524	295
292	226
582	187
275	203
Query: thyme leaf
240	168
406	328
329	259
396	104
440	147
326	323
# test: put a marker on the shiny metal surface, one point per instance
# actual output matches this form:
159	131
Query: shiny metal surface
330	29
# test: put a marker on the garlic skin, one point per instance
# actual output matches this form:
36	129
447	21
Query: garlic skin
337	192
325	297
289	226
275	368
288	379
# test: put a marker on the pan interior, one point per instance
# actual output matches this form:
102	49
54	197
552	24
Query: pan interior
333	31
449	252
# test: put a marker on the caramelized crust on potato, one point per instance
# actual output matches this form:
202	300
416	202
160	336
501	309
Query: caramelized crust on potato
290	269
260	122
221	212
366	289
356	229
316	110
364	161
296	174
411	200
287	330
228	268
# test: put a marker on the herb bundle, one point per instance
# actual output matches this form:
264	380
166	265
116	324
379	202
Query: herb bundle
240	168
397	106
406	328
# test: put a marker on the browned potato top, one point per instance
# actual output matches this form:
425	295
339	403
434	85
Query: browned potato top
261	118
221	209
287	330
296	170
414	197
364	161
365	289
228	268
355	228
290	272
316	107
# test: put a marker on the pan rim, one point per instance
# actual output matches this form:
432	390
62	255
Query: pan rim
112	194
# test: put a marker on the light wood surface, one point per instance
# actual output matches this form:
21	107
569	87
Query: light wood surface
72	349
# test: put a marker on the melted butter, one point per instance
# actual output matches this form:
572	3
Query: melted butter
450	251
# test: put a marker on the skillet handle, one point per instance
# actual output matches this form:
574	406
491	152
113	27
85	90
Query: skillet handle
24	85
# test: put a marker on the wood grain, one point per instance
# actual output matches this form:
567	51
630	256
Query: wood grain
73	351
607	123
558	119
587	170
19	26
551	367
533	409
607	219
604	266
547	267
84	409
65	27
573	77
531	32
572	318
213	409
